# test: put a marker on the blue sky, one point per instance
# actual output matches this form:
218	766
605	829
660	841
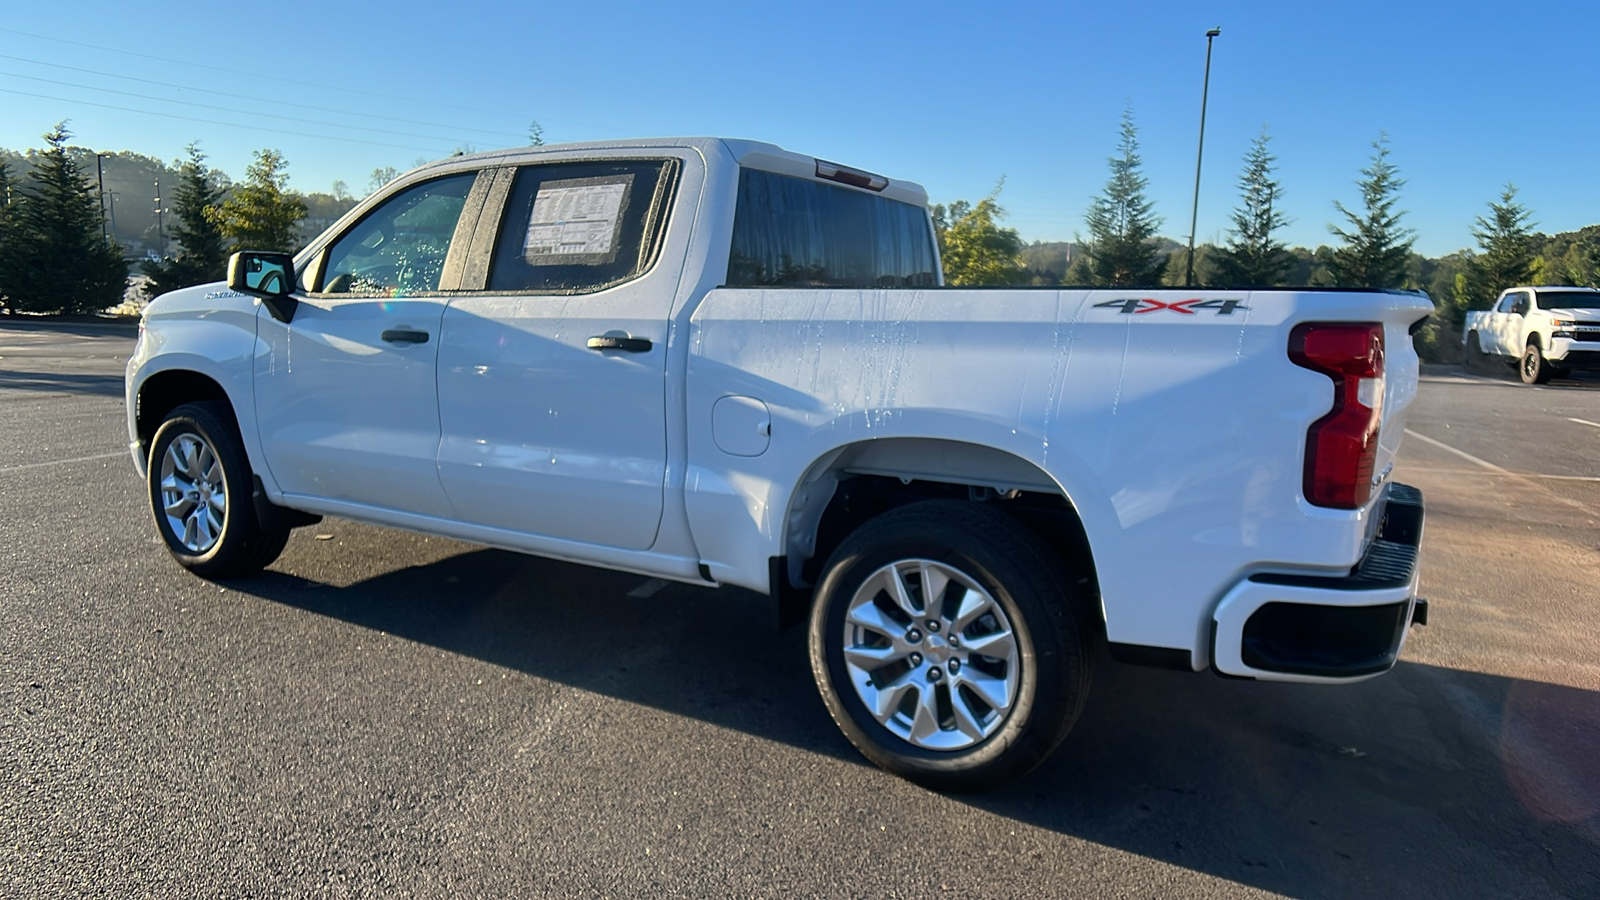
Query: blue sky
952	95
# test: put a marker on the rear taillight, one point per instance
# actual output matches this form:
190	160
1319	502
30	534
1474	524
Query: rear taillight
1342	446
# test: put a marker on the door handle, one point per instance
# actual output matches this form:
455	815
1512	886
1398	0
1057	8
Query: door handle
627	344
405	336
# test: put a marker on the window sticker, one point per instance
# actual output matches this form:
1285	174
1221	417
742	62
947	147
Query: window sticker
577	221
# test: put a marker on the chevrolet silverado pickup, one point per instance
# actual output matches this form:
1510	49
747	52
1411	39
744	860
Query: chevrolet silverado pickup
1545	332
723	363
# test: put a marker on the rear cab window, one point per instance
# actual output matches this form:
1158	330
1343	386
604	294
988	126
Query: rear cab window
794	232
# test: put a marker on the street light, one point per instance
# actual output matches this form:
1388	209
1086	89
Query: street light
1194	212
100	176
161	238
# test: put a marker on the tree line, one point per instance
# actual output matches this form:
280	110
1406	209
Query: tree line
64	250
1373	247
57	253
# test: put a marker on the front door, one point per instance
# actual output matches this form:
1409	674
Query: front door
552	382
1506	323
346	395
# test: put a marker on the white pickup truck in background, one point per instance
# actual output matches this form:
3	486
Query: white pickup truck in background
720	362
1546	332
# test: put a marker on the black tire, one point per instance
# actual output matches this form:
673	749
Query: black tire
1534	369
1016	575
1474	359
210	544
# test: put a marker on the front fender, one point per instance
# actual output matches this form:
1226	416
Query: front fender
211	332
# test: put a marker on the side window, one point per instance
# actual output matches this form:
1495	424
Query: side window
577	227
400	247
1519	304
793	232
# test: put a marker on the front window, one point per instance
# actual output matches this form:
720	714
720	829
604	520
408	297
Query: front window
400	247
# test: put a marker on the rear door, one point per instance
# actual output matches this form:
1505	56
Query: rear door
552	376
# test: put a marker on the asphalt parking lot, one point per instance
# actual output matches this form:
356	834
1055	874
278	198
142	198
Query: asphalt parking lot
387	715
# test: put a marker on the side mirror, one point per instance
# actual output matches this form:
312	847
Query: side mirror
268	275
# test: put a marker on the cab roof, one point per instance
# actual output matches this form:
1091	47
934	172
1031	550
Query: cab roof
747	153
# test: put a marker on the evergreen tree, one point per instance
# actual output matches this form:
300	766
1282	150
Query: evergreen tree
261	214
535	133
202	249
53	255
1253	257
1376	248
974	248
1579	263
1122	224
1507	255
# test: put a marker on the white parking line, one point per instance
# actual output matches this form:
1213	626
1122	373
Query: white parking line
57	462
1461	453
1469	473
1584	422
1530	480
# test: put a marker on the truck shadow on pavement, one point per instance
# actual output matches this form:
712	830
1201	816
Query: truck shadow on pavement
1586	379
61	383
1424	782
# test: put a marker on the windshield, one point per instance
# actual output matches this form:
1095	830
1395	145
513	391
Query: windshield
1569	299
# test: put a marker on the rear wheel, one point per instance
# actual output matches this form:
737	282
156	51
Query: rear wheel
946	646
1474	359
200	492
1534	369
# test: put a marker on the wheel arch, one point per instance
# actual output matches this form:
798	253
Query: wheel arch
163	391
854	483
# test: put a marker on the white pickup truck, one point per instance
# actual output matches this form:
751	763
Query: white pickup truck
1545	331
723	363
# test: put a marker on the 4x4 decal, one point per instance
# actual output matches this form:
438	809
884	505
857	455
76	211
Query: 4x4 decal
1142	305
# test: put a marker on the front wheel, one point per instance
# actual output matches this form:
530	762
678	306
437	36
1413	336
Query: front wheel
1535	369
947	647
200	491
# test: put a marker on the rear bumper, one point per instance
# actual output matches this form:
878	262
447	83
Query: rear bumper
1320	629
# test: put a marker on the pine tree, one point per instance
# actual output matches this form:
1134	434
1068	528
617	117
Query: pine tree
974	248
202	249
1253	257
1122	224
261	214
54	256
1507	254
1376	248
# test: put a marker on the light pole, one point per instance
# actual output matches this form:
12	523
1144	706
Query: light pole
100	176
1194	212
161	237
